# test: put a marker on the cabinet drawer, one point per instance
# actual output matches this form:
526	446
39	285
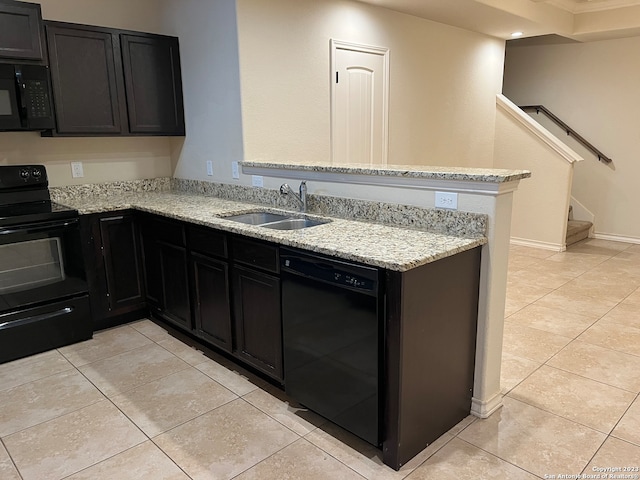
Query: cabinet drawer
256	254
167	231
208	241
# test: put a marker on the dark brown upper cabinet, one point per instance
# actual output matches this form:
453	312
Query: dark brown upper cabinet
153	84
21	33
114	82
88	90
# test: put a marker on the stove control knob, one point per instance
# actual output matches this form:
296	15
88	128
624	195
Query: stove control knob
24	174
36	172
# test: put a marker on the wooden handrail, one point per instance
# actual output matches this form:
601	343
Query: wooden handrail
570	131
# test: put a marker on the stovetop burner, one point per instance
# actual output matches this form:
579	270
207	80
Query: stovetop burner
25	199
34	212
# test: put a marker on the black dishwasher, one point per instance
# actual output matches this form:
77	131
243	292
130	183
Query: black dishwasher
333	339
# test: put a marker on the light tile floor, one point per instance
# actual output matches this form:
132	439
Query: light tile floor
136	403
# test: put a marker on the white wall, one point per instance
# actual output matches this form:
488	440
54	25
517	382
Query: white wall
211	82
541	203
104	159
443	81
593	87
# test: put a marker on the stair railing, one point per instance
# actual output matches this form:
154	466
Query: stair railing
570	131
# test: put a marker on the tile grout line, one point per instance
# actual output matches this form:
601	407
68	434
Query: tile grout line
500	458
70	367
564	347
108	356
589	378
152	439
568	419
4	445
620	419
506	394
62	414
136	426
287	446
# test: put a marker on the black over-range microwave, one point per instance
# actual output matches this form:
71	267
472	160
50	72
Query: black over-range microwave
25	98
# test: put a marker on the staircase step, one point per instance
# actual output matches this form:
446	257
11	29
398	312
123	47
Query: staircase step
577	230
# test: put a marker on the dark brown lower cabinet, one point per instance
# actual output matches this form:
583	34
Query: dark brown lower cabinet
113	265
175	284
152	267
430	345
232	300
166	269
258	320
211	300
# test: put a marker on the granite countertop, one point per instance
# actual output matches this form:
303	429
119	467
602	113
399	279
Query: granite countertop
390	247
488	175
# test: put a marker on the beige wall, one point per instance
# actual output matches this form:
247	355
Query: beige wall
443	81
269	98
593	87
541	203
104	159
141	15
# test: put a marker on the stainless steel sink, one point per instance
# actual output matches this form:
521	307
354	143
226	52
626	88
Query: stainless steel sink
275	221
294	224
257	218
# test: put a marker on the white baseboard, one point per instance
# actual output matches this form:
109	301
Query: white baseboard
484	409
616	238
556	247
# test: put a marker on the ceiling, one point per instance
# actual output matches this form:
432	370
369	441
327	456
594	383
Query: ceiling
578	20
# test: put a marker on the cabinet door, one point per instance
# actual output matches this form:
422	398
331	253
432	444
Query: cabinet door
84	73
122	263
152	267
112	260
258	320
151	65
212	310
21	30
175	284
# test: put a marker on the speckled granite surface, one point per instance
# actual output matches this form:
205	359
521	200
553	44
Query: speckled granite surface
110	189
489	175
447	222
392	247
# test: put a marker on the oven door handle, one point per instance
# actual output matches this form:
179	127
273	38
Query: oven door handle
36	318
39	227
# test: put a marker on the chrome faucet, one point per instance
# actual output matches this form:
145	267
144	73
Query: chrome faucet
285	189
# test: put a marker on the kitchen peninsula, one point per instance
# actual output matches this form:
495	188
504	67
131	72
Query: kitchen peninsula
484	191
427	258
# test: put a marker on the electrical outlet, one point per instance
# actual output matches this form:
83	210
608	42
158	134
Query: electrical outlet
235	170
447	200
257	181
209	168
76	170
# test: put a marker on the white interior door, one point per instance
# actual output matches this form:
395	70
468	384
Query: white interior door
359	98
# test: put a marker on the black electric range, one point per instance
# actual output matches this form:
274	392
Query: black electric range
44	301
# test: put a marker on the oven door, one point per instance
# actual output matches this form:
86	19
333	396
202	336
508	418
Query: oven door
40	263
43	290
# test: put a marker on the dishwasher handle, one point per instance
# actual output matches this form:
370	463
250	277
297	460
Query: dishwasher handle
359	278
